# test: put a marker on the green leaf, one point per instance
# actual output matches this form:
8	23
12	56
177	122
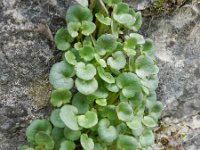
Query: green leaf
106	43
100	61
106	76
70	58
58	136
101	92
126	142
35	127
78	13
81	102
86	142
138	22
85	71
87	28
112	2
104	20
87	52
109	112
60	96
145	66
101	102
155	110
151	82
55	119
60	75
88	120
107	132
86	87
67	145
148	48
112	87
147	138
71	135
63	39
73	28
149	122
129	83
121	15
117	61
136	126
124	111
68	116
41	138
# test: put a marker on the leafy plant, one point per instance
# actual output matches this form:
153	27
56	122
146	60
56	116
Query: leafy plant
104	88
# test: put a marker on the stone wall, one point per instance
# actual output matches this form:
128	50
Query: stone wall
27	53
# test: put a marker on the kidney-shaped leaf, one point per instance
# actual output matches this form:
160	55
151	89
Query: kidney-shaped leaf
67	145
68	116
85	71
88	120
87	28
86	142
86	52
41	138
55	119
37	126
106	76
107	132
147	138
126	142
145	66
124	111
149	122
78	13
104	20
86	87
60	96
70	58
117	61
60	75
73	28
63	39
71	135
81	102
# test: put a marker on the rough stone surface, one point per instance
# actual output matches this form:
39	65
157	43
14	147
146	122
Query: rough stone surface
27	53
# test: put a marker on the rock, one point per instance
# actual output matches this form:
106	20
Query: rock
27	53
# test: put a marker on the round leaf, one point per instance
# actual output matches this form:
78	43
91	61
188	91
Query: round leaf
117	61
124	111
67	145
55	119
106	132
68	116
35	127
63	39
101	102
104	20
107	77
85	72
86	52
87	28
106	43
126	142
81	102
147	138
71	135
149	122
41	138
86	142
138	22
78	13
60	96
86	87
112	87
100	61
73	28
60	75
88	120
70	58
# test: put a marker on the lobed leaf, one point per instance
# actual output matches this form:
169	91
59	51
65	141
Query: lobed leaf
86	142
88	120
56	120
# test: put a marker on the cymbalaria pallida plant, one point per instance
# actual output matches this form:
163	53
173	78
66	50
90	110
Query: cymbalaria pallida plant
104	87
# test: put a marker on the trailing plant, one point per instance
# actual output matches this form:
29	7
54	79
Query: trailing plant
104	87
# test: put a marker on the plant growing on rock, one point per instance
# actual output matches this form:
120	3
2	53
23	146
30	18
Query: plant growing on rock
104	87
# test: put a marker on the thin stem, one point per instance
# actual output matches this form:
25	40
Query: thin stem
92	39
104	7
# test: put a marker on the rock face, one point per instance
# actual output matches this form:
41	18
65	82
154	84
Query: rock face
27	53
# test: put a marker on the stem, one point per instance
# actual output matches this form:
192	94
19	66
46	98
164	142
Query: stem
92	39
104	7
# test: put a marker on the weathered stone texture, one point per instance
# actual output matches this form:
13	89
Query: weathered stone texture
27	53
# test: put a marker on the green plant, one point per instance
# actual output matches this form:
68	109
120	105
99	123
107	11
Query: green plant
113	75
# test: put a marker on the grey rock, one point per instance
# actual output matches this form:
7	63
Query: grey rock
27	53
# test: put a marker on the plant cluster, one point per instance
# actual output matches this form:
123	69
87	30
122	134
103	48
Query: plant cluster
104	88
